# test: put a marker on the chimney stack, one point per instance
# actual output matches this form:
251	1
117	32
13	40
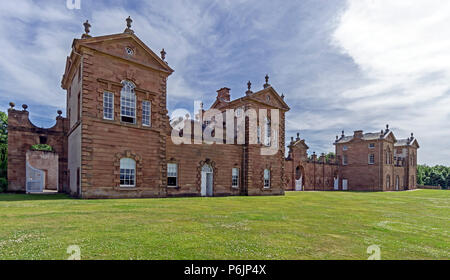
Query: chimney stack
358	134
223	94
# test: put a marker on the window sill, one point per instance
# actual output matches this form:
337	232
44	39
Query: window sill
126	188
173	187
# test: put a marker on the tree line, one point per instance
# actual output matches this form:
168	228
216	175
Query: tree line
438	175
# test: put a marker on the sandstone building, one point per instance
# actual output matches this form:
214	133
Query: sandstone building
117	140
362	162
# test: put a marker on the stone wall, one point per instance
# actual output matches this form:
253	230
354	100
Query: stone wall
22	134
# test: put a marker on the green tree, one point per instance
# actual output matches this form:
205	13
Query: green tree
438	175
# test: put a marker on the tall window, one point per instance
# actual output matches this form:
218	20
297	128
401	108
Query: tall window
235	178
128	102
371	145
146	113
344	148
127	172
268	132
388	182
344	160
108	106
371	159
172	175
266	178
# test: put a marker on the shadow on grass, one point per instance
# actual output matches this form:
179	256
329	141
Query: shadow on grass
32	197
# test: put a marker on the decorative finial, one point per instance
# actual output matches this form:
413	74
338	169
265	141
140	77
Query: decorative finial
163	54
25	107
292	139
59	113
337	138
282	96
412	135
298	136
12	105
387	127
87	30
343	133
249	85
266	85
129	22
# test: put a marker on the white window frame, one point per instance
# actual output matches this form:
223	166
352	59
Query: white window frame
371	145
147	114
128	168
105	94
345	148
235	172
371	162
128	89
173	174
267	179
344	160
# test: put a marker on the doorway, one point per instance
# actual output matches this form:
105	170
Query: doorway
299	178
207	181
344	184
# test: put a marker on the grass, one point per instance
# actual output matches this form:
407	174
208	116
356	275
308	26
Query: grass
302	225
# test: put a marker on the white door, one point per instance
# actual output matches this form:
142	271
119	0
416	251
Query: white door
336	184
345	184
207	181
299	184
35	179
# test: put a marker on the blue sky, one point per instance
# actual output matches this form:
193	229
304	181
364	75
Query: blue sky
342	65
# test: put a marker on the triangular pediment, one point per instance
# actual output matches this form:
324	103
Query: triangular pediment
116	45
269	97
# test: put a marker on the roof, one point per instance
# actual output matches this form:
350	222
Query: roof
366	137
406	142
253	97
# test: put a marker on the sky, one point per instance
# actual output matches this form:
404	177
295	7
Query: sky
342	64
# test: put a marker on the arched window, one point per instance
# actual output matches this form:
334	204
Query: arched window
397	183
127	172
128	102
388	182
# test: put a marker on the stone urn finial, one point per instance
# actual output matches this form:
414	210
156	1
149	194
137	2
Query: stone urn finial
25	107
163	54
249	85
12	105
87	30
59	113
128	29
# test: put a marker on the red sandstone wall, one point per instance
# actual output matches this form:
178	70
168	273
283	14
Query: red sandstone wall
104	142
22	134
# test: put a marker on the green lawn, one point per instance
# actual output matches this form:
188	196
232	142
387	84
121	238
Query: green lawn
306	225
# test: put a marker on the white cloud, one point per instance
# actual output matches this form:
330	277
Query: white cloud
402	48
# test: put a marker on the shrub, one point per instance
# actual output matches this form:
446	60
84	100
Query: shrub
3	185
42	147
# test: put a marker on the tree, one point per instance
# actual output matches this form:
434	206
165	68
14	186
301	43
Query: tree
434	176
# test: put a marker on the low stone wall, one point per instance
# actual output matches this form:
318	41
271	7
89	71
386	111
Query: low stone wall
429	187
